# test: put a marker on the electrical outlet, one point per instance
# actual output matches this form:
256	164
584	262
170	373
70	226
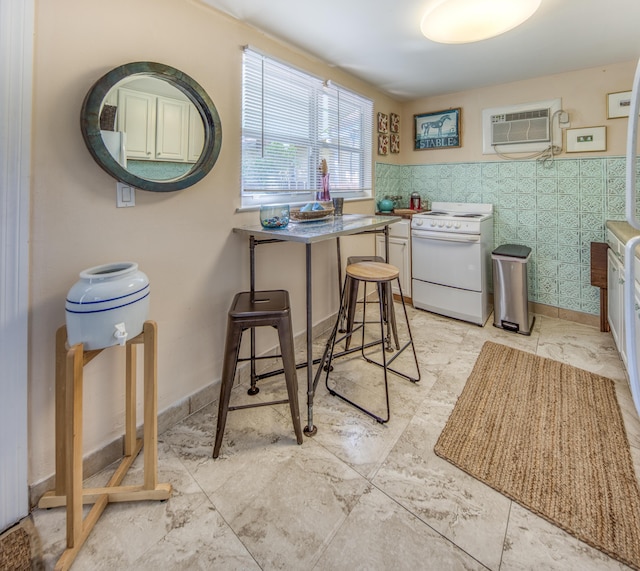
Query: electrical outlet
125	195
563	120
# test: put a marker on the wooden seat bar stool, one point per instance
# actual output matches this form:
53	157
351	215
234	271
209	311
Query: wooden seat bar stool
352	300
248	311
382	275
70	362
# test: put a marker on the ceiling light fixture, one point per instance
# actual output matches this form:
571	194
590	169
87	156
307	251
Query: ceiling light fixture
464	21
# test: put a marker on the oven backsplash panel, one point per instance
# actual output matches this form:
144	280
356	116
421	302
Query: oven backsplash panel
557	209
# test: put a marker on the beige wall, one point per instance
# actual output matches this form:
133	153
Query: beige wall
583	95
183	241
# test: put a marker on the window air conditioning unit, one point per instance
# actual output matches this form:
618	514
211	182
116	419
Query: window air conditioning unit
521	127
528	127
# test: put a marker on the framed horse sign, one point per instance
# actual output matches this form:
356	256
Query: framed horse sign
438	130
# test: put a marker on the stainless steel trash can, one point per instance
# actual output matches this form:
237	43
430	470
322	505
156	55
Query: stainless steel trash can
510	291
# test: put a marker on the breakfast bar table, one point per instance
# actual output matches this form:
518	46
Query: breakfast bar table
308	233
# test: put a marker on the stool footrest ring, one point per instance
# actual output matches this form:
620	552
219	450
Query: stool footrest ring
255	405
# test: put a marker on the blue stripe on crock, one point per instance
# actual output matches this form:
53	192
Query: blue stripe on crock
109	308
108	300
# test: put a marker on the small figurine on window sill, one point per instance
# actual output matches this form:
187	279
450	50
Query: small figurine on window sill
323	194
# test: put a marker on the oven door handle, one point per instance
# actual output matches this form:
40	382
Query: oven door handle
445	236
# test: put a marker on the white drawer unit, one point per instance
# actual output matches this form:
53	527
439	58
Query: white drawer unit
399	253
615	286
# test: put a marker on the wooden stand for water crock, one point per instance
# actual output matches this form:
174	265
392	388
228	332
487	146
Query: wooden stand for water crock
69	490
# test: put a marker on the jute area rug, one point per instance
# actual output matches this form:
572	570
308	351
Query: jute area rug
550	437
20	548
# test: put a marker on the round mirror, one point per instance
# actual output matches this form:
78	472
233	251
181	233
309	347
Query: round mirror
151	126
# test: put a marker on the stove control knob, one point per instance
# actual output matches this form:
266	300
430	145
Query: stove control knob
448	225
440	224
433	223
418	222
458	224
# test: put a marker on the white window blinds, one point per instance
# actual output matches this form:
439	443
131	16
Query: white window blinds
291	121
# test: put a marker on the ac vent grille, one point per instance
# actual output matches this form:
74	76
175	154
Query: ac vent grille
521	127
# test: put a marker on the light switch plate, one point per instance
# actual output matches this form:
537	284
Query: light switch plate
125	195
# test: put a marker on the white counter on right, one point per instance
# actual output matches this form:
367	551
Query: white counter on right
618	233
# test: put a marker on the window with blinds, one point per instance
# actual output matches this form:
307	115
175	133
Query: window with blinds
290	122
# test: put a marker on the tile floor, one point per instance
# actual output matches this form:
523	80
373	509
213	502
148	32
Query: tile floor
358	495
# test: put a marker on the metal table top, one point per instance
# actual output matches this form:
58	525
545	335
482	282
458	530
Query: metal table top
319	230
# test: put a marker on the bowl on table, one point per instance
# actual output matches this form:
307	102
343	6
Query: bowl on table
274	216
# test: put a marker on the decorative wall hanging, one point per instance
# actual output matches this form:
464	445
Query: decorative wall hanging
394	143
383	144
394	123
618	104
437	130
586	139
383	123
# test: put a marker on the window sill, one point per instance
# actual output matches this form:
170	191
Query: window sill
256	207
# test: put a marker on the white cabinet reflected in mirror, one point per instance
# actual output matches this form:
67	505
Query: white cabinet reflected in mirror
153	127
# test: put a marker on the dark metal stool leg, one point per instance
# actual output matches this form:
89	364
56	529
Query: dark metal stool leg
231	350
390	316
285	334
352	297
382	287
413	347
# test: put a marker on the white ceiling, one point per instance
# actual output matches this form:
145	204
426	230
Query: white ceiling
380	41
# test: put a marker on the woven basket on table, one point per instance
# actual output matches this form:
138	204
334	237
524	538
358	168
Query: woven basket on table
296	214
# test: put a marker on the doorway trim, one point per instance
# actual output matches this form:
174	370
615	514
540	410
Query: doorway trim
17	26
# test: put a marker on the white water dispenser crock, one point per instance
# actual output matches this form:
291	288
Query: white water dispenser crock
107	306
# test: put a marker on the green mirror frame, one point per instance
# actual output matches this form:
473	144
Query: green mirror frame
90	125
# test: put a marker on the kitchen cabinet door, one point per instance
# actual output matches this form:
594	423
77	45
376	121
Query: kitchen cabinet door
172	129
615	285
137	118
400	257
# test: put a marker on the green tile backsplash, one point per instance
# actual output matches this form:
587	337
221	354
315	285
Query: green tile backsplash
557	208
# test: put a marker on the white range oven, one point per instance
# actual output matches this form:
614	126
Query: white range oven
451	260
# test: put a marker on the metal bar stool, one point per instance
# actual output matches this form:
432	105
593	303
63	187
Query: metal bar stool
382	275
352	301
248	311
